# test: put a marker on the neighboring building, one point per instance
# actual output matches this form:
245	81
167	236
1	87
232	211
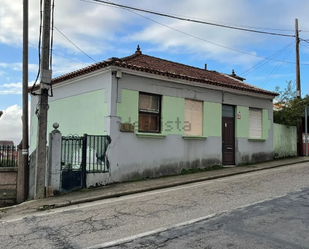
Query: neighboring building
6	143
7	149
162	116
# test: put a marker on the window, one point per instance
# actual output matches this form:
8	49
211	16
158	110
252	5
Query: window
149	117
255	116
193	117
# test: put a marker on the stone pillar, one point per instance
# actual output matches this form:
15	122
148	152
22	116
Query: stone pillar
54	162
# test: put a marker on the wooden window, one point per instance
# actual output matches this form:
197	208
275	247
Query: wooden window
255	116
149	118
193	117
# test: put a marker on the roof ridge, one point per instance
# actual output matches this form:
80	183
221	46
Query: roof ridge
179	63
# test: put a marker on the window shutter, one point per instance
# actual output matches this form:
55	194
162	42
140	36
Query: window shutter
255	130
193	117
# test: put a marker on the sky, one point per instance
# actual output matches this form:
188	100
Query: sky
87	32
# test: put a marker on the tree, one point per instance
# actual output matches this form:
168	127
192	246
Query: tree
291	108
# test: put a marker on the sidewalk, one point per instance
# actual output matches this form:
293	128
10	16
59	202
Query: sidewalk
127	188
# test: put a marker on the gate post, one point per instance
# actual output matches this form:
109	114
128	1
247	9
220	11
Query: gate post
21	177
54	162
84	162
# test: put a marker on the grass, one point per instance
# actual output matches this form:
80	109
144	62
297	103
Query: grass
197	170
8	163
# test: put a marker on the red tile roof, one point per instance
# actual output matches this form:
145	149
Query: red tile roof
154	65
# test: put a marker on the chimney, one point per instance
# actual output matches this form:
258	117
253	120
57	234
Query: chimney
205	66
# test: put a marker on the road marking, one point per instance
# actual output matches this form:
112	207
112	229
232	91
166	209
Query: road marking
139	195
186	223
160	230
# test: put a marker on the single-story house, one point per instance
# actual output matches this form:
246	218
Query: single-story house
162	116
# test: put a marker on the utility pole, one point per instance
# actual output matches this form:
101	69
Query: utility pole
298	90
24	167
46	74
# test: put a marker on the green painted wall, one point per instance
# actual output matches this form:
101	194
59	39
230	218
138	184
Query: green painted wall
285	140
127	110
173	115
212	116
79	114
242	125
266	124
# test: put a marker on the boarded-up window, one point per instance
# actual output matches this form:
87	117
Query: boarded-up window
149	117
193	117
255	130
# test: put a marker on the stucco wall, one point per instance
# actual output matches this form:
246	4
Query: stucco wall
80	107
132	156
285	140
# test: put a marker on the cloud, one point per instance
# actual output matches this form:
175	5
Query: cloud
12	88
11	124
18	66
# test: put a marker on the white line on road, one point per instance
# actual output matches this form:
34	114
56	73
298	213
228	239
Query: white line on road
160	230
186	223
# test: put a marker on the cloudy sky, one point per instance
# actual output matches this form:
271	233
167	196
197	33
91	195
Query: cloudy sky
103	31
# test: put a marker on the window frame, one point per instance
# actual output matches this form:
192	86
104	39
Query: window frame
158	114
261	123
202	118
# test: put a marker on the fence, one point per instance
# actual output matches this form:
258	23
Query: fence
82	155
89	149
285	141
8	156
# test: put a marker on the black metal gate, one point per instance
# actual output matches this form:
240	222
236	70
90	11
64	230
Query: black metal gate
82	155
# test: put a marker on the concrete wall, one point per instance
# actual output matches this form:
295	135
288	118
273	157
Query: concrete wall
79	107
8	183
285	141
134	155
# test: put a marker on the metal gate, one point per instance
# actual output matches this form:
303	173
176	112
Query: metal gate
82	155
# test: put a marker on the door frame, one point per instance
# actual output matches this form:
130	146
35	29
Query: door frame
233	135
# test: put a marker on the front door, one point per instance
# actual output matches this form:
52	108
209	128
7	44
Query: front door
228	141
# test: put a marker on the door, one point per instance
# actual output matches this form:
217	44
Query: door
228	141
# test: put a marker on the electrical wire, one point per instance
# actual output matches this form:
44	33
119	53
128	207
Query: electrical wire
70	59
196	37
39	50
272	73
190	20
74	44
52	44
265	61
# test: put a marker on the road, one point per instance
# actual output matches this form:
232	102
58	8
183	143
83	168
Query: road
223	209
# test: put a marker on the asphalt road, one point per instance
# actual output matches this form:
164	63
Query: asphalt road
275	224
215	205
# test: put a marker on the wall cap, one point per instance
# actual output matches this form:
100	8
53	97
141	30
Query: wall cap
194	137
257	139
150	135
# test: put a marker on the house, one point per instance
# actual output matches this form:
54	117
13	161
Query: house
162	116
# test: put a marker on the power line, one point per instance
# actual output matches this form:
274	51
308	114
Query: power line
39	49
63	56
208	20
262	63
270	76
196	37
191	20
74	44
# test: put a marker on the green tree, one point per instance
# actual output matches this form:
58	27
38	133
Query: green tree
292	108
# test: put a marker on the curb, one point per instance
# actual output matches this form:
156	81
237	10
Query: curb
169	185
